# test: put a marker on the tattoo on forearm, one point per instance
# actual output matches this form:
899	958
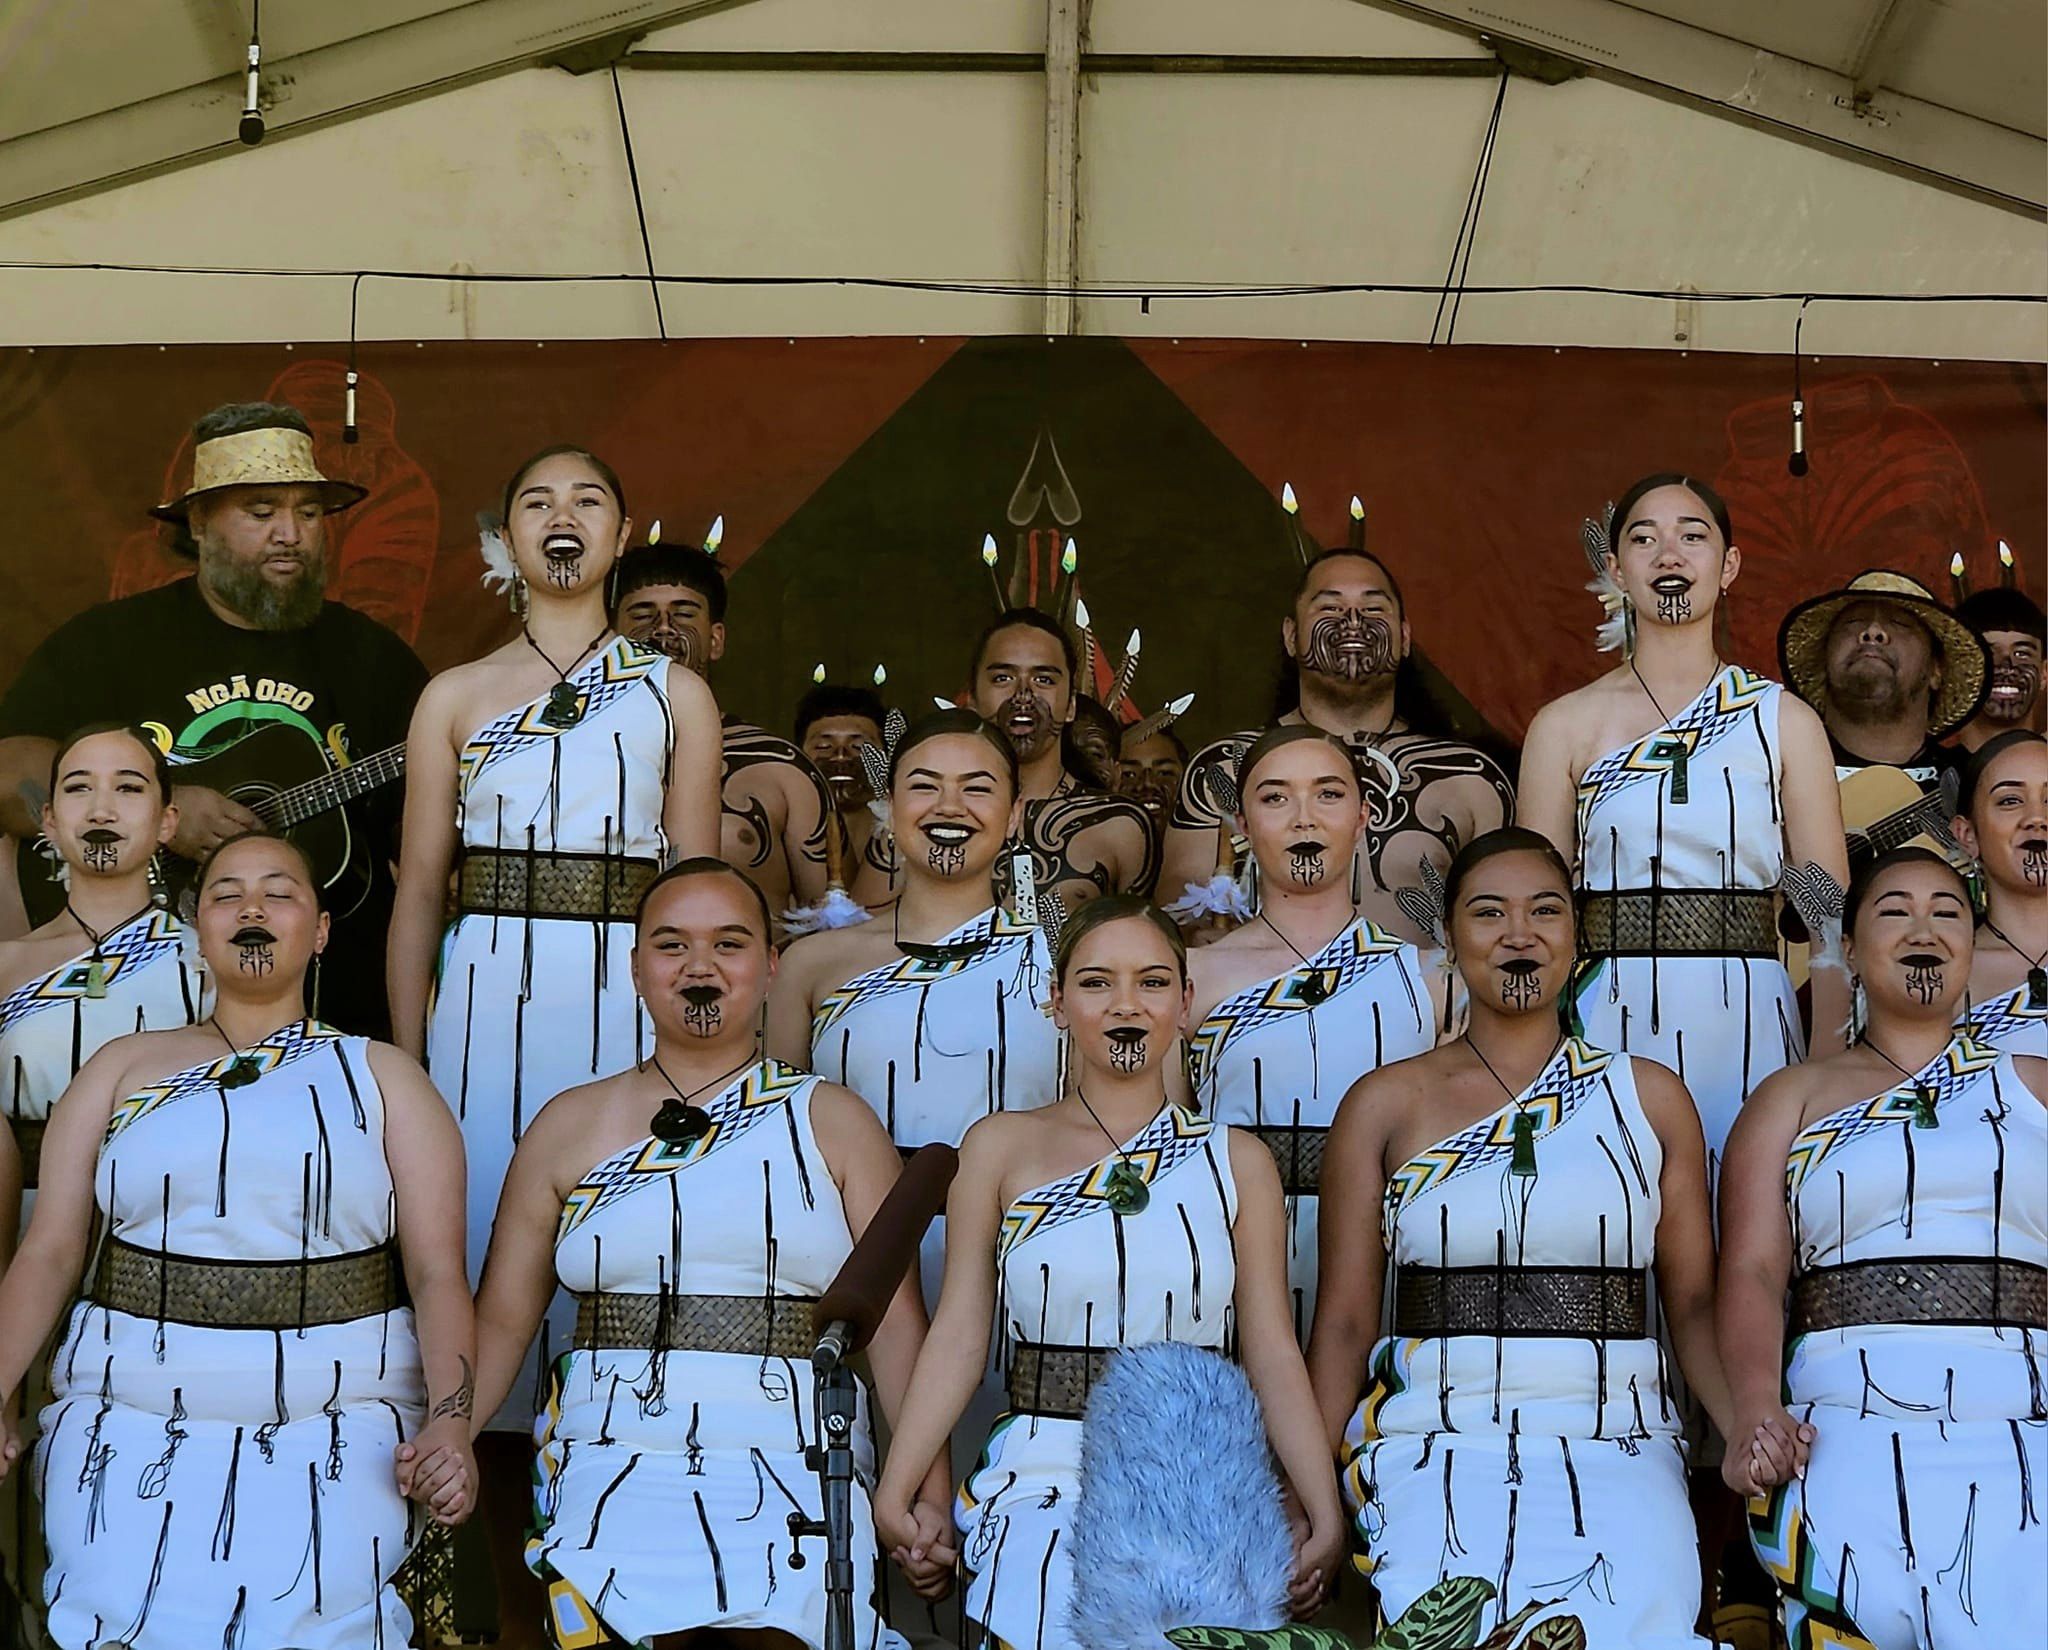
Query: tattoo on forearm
462	1401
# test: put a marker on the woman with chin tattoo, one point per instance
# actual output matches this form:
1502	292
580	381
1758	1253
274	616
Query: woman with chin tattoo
1900	1191
1298	1004
696	1206
2002	823
1109	1219
115	960
1685	791
274	1349
1527	1187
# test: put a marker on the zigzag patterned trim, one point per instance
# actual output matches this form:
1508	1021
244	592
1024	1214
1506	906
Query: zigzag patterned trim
2000	1020
1557	1092
1168	1140
1954	1068
739	1106
599	681
995	925
1354	953
1721	706
126	951
293	1042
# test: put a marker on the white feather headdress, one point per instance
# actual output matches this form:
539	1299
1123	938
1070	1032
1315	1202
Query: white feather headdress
501	572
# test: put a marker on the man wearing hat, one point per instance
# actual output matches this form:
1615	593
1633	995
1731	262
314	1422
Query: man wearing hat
1890	670
245	649
2014	630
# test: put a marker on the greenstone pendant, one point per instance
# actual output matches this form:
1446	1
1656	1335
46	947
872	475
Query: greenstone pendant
1523	1160
241	1072
96	979
1126	1192
1923	1107
2037	987
564	707
1673	751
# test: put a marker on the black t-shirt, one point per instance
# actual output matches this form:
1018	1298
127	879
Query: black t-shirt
340	690
1925	766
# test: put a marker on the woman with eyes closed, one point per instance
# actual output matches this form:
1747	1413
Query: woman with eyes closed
1525	1187
1308	997
697	1206
2003	824
114	961
1681	788
1900	1191
275	1345
1111	1218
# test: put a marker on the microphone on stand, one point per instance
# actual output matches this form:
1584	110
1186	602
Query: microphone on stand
251	129
852	1309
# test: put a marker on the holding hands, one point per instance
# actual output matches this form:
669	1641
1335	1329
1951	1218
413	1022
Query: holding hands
1777	1451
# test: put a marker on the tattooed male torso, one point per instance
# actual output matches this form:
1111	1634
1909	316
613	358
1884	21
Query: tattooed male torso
1081	845
773	805
1447	793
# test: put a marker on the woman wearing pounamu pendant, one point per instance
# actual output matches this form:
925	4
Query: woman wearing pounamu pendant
1293	1007
1681	788
275	1347
1112	1218
1528	1187
1900	1191
2003	824
695	1206
113	961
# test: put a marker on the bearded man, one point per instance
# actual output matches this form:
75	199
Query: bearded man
1348	640
215	667
775	807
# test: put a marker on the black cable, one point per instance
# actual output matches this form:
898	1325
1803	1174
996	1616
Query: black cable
1468	226
639	206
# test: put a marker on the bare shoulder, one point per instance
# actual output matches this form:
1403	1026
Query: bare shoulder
1799	720
997	1141
2033	1071
831	955
690	692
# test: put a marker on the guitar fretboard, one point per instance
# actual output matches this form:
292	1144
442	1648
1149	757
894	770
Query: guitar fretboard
1923	818
317	796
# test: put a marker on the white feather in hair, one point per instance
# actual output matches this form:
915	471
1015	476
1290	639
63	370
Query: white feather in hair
1618	627
501	572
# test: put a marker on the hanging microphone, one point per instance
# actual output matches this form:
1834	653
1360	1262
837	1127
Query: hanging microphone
852	1309
251	129
349	433
1797	462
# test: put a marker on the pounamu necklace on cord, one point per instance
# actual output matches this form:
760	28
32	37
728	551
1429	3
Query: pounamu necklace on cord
1672	747
1317	988
564	708
1125	1190
1522	1160
96	969
1924	1115
2037	976
242	1069
678	1122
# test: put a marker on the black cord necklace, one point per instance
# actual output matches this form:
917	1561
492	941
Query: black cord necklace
2037	976
1672	747
1522	1161
947	951
678	1122
1923	1091
564	708
96	970
1125	1190
1318	987
242	1069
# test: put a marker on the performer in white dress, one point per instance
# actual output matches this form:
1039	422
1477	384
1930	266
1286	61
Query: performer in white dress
698	1205
1527	1188
1900	1191
244	1393
555	776
1681	787
1308	997
2003	824
113	961
1175	1233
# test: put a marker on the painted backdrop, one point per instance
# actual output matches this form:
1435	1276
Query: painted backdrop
858	476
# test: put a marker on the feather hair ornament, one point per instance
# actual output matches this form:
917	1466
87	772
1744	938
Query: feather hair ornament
501	572
836	910
874	764
1427	905
1821	903
1618	627
1158	722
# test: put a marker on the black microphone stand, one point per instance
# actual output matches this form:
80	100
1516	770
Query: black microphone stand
835	1405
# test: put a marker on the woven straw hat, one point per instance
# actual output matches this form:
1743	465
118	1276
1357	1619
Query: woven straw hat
278	455
1965	667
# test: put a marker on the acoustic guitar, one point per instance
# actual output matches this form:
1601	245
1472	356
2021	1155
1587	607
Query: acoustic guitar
1882	809
281	777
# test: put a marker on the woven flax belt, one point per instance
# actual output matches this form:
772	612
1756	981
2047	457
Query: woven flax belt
28	1140
248	1294
1998	1294
1582	1302
1650	922
600	887
1054	1380
1299	1155
757	1326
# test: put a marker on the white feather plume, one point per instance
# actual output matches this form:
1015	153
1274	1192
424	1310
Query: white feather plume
501	572
1220	896
836	910
1617	626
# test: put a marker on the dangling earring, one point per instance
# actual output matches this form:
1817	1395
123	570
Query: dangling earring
611	590
520	598
1859	1010
314	1012
1064	1064
159	889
